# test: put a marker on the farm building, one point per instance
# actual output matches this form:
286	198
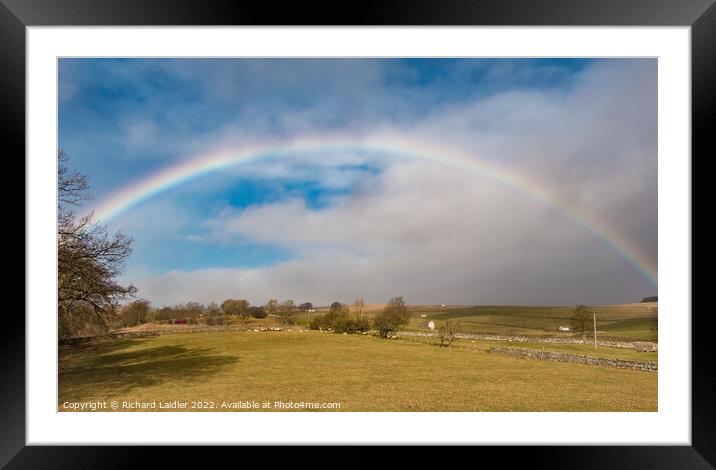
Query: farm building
563	328
431	325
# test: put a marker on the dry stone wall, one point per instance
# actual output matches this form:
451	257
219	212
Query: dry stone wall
648	366
163	331
640	346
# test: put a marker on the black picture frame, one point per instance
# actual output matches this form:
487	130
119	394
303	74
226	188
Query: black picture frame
700	15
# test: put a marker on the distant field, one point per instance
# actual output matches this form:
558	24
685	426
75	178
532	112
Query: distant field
627	322
584	349
362	373
618	322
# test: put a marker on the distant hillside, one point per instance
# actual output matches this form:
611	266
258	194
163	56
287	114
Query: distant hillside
627	322
654	298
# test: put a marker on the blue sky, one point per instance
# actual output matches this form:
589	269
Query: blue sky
121	120
110	107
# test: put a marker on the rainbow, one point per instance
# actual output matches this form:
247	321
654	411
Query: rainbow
196	167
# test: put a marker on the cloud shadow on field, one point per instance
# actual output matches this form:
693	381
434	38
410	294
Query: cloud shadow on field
107	372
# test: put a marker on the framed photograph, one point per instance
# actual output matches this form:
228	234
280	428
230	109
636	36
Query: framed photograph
417	225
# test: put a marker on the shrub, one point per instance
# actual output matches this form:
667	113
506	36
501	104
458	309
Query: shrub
394	316
342	325
318	323
257	312
363	324
339	320
351	325
446	333
386	324
287	319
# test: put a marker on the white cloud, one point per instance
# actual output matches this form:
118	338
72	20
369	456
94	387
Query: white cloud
427	232
439	235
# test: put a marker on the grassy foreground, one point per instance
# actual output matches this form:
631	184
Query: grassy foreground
362	373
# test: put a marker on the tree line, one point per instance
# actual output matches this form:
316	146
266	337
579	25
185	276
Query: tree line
340	318
140	311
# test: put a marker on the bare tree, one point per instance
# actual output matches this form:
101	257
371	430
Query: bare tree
580	320
654	326
358	307
135	312
213	309
447	332
285	311
396	307
271	307
193	311
89	259
243	310
71	187
239	308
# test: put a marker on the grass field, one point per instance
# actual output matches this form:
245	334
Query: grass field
615	322
625	322
584	349
362	373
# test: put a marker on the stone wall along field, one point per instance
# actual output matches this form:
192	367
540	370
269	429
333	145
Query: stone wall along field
648	366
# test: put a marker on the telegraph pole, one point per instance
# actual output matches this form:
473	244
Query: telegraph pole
595	330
